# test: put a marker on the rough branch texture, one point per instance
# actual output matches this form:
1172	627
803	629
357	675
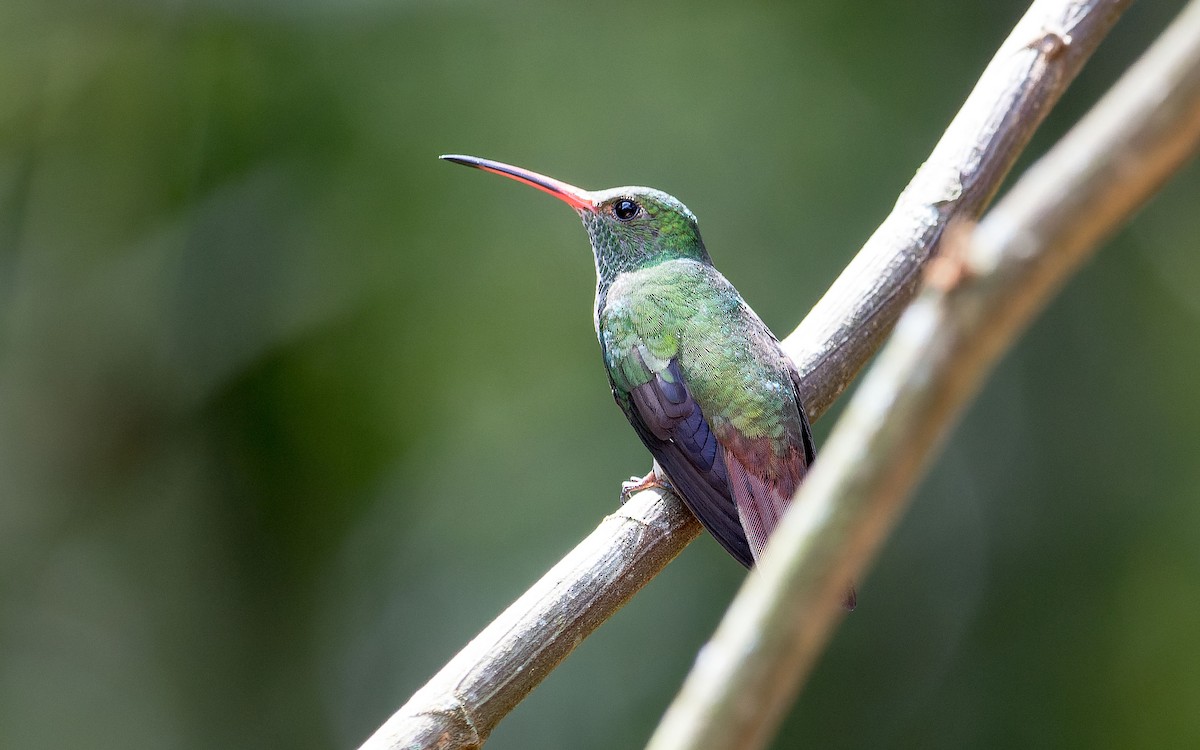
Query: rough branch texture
978	300
461	705
469	696
1022	83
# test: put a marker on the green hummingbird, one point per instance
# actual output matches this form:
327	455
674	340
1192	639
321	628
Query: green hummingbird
697	373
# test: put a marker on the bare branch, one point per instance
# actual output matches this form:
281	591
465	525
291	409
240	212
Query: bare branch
1022	83
463	702
977	300
461	705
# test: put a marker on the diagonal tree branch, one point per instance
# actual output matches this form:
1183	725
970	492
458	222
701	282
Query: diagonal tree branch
1024	80
461	705
978	298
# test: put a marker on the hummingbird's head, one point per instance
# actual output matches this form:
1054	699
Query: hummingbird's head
629	227
634	227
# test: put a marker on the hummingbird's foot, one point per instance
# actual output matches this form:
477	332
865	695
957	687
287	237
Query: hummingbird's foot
851	600
636	484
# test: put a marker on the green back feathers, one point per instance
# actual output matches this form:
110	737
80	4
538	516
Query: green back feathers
686	310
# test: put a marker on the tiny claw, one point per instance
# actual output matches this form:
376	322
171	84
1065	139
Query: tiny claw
851	600
636	484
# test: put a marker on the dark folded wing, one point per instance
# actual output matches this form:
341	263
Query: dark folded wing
674	429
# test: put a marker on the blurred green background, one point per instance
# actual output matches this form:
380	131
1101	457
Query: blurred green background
289	409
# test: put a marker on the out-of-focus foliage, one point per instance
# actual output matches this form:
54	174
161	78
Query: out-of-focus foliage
289	409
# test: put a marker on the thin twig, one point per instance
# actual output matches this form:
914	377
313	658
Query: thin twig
978	298
461	705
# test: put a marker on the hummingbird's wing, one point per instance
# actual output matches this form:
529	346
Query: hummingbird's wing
710	393
656	400
673	427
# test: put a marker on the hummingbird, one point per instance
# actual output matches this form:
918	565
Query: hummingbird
697	373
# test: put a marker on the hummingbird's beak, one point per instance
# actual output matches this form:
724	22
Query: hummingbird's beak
577	198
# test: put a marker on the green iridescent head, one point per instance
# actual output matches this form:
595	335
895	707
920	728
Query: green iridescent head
629	227
633	227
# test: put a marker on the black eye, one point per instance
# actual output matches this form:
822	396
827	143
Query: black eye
625	209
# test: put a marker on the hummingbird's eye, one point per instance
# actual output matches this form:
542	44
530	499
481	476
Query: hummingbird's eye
626	209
